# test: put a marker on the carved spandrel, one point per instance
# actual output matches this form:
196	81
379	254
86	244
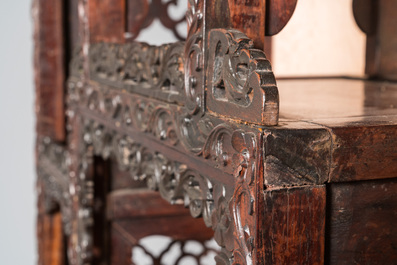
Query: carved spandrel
240	82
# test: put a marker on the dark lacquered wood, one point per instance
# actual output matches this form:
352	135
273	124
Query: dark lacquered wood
361	223
326	101
292	225
360	118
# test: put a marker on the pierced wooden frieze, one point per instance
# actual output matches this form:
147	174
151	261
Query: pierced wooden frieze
228	209
153	71
138	132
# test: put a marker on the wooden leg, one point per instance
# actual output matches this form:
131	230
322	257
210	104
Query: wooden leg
291	226
49	235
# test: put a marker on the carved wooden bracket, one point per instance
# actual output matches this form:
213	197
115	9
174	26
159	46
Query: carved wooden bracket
240	81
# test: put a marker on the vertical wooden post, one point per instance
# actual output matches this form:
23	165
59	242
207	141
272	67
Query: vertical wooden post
49	68
246	16
378	20
292	226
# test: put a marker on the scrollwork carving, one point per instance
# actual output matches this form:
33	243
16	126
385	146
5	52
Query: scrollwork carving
155	71
157	94
241	84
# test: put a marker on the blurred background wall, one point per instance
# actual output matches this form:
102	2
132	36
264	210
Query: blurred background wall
17	177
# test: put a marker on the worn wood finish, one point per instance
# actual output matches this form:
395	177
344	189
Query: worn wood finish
297	154
360	119
292	223
246	16
49	68
362	226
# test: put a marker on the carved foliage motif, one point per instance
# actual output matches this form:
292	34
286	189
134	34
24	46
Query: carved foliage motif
155	71
224	147
233	218
241	84
175	181
159	93
221	209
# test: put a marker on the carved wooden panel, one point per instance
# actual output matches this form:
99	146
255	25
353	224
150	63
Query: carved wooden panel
144	107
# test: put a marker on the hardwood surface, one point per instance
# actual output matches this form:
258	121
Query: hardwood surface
359	116
362	226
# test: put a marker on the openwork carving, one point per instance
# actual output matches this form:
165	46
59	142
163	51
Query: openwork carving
241	84
188	252
222	207
143	13
154	71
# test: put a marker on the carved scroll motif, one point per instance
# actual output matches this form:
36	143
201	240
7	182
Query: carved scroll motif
195	58
240	81
158	94
154	71
230	213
